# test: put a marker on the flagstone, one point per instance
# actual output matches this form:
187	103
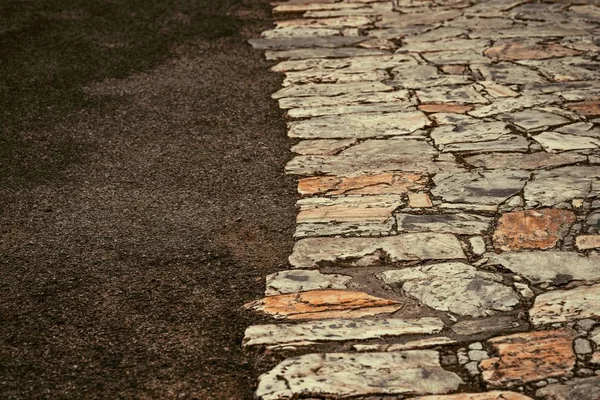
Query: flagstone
367	12
300	32
580	129
455	57
528	357
587	242
455	44
489	326
590	108
555	142
508	73
479	187
435	35
339	52
455	287
568	69
493	395
320	76
337	22
566	305
534	119
388	183
299	280
580	389
460	224
398	32
322	146
531	31
359	125
290	7
423	76
349	375
315	252
393	19
570	91
309	112
453	119
521	161
510	104
497	90
455	95
359	64
320	304
504	143
335	330
306	42
419	200
561	185
445	108
532	229
350	98
559	267
528	50
482	132
411	345
454	69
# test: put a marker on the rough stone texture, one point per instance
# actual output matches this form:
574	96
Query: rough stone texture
322	147
419	200
349	97
509	104
348	375
521	161
460	224
321	76
445	108
481	132
320	304
366	63
477	245
577	389
411	345
534	119
454	287
528	50
555	142
586	242
454	95
306	42
309	112
559	267
566	305
532	229
586	108
488	326
528	357
296	281
389	183
338	330
549	188
340	52
314	252
485	187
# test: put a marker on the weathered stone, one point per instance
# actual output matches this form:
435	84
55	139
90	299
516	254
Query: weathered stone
469	207
560	185
340	52
528	50
525	291
298	280
301	32
322	76
354	64
338	22
302	7
315	252
359	125
566	305
577	389
309	112
589	108
455	57
456	44
411	345
532	229
521	161
453	119
330	105
460	224
595	336
320	304
496	90
389	183
367	12
454	95
479	187
324	146
510	104
534	119
445	108
566	69
477	245
528	357
488	326
339	330
586	242
508	143
419	200
482	132
454	287
478	355
348	375
559	267
494	395
308	42
557	142
582	346
380	43
454	69
580	129
508	73
424	76
328	89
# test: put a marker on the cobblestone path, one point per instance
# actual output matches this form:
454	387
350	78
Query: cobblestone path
448	234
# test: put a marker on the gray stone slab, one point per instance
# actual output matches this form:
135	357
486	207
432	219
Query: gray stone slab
298	280
459	95
351	109
579	389
349	98
318	76
482	132
560	185
509	73
510	104
554	142
305	42
534	119
489	326
329	89
302	32
358	64
520	161
560	306
340	52
459	224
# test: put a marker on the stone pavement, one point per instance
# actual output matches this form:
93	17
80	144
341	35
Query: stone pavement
448	235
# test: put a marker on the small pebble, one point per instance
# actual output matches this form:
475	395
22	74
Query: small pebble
476	346
471	368
582	346
584	372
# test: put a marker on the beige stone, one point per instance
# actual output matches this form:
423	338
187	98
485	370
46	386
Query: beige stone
388	183
419	200
566	305
586	242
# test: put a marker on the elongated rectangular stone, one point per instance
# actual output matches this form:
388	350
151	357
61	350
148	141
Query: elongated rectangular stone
351	99
561	306
357	64
300	43
350	109
460	224
340	52
329	89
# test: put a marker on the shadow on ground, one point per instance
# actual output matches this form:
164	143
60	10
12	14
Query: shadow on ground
142	197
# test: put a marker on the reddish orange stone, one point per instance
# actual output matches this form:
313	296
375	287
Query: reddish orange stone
532	229
529	51
445	108
529	357
318	304
588	108
390	183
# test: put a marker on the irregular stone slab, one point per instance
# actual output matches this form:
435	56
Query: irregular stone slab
298	280
559	267
479	187
521	161
300	32
419	200
534	119
421	76
339	330
580	389
390	183
554	142
339	22
566	305
570	91
324	146
445	108
364	228
411	345
327	89
395	33
507	143
590	108
496	90
549	188
301	7
454	287
340	52
528	50
355	64
528	357
567	69
359	125
529	31
532	229
580	129
455	57
350	109
459	224
453	119
508	73
458	95
494	395
349	375
489	326
349	100
320	76
445	45
509	104
309	42
320	304
367	12
587	242
316	252
482	132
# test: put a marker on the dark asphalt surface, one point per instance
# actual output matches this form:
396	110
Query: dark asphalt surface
142	197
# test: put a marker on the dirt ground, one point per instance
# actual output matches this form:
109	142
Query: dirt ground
142	197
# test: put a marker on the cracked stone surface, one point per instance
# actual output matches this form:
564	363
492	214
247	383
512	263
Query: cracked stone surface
447	154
